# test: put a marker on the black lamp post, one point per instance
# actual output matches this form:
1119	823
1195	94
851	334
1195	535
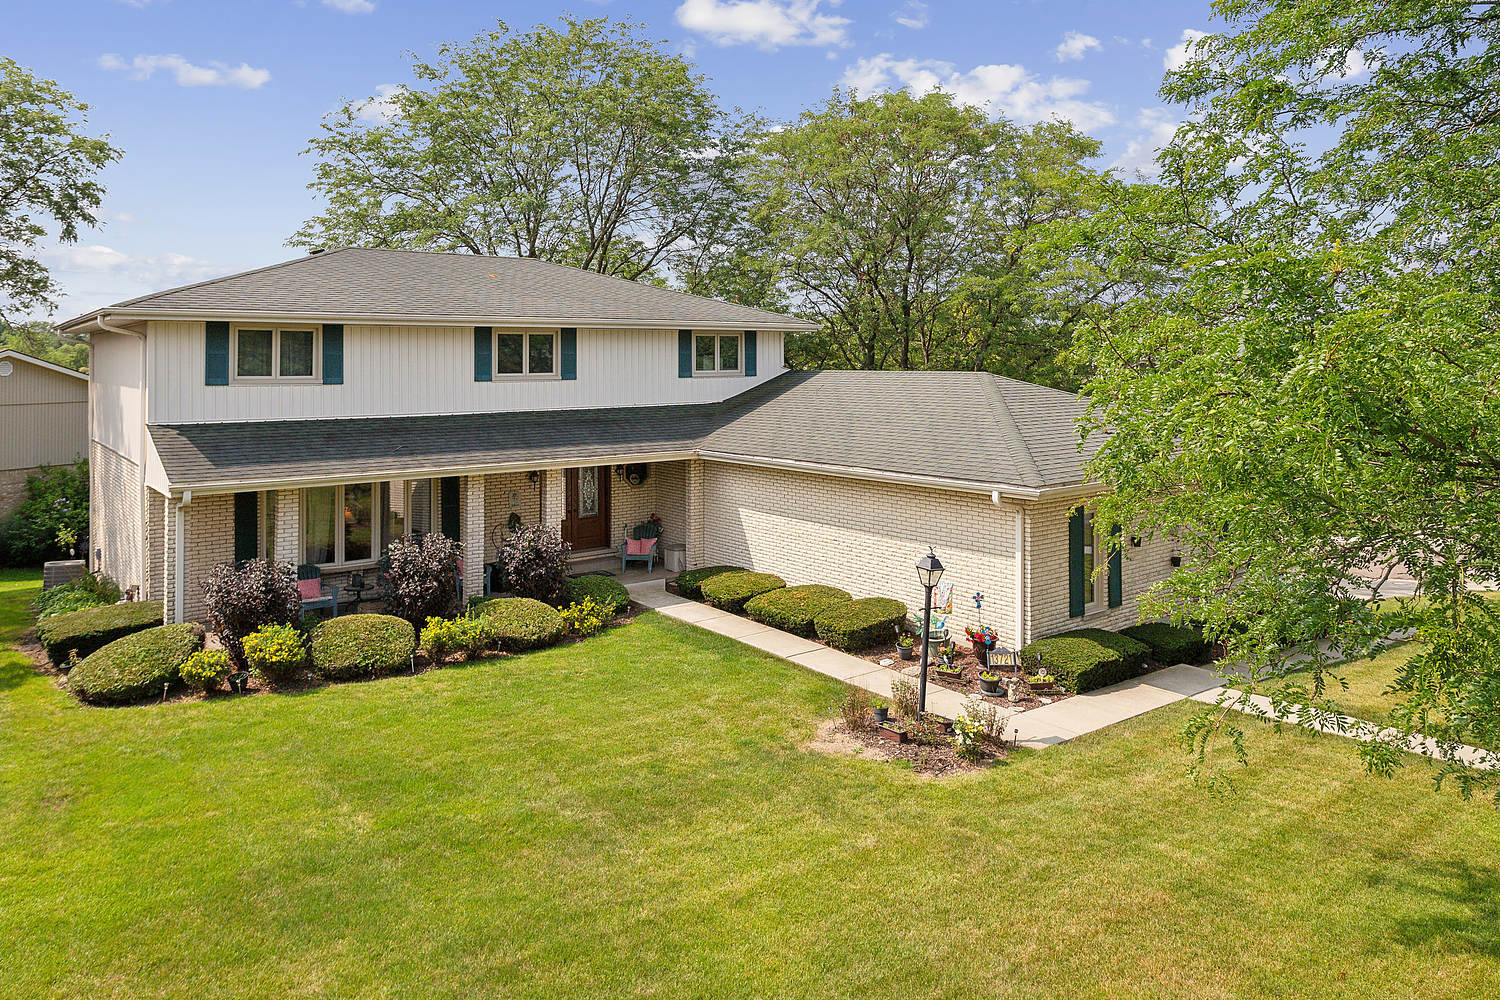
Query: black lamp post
929	572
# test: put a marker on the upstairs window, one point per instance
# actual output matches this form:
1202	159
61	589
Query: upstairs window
275	353
716	354
523	353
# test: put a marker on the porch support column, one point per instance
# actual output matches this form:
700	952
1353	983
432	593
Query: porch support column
471	530
554	498
288	541
695	527
169	561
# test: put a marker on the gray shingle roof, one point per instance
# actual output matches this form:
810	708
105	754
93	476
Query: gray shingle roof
965	426
362	283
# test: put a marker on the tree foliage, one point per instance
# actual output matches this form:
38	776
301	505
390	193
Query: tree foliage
41	340
1315	391
47	179
585	144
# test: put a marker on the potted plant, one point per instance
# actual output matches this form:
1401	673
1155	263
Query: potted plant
880	710
948	669
906	645
983	639
943	727
892	730
989	682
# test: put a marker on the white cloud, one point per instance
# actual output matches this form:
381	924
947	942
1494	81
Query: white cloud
215	74
1355	63
379	108
1140	152
912	14
1178	55
1011	90
153	272
1074	45
351	6
767	23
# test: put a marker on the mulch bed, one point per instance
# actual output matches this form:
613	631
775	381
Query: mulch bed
969	683
835	737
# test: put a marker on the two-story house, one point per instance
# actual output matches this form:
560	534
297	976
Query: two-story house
316	409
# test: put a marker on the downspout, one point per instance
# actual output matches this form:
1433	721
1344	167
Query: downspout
89	559
145	547
179	601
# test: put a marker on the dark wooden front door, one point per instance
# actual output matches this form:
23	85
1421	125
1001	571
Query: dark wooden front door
586	523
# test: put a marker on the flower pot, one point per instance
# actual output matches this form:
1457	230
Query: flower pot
881	715
982	651
907	652
889	731
951	673
943	726
989	686
239	682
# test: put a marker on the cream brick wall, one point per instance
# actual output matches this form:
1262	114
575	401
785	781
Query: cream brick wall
288	527
472	530
694	475
864	537
1047	561
13	488
499	490
115	516
156	546
671	500
210	543
554	499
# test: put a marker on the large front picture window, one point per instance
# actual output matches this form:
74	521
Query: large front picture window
338	524
526	353
274	352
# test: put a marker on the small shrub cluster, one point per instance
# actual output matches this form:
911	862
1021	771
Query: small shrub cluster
991	720
91	590
730	591
139	665
91	629
1089	658
584	617
239	598
423	576
521	623
358	646
275	653
967	738
534	561
690	584
855	709
1171	644
610	594
794	609
904	699
444	636
860	624
205	669
56	508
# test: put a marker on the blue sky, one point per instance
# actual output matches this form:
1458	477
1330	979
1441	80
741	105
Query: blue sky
213	101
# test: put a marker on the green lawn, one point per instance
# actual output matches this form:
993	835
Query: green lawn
633	817
1365	692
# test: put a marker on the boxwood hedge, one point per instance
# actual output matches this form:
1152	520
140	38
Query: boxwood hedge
520	623
94	628
860	624
730	591
607	592
793	609
1089	658
690	584
135	666
356	646
1171	644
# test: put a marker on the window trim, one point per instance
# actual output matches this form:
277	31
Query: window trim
377	529
276	378
1092	579
526	374
717	371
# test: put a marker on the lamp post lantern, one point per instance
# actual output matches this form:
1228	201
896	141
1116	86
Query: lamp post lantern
929	572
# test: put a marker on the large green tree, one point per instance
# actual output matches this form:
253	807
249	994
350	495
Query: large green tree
48	170
1316	394
585	144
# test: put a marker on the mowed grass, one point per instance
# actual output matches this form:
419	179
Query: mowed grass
633	816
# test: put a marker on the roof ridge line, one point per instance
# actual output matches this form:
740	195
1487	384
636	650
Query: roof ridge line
1010	431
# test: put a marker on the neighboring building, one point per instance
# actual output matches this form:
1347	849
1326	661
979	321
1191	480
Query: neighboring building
315	409
44	420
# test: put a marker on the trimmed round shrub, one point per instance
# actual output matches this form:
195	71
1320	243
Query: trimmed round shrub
91	590
276	653
793	609
1170	644
357	646
730	591
1089	658
860	624
135	666
520	623
94	628
607	592
690	584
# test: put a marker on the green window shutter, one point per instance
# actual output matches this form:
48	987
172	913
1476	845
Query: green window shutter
333	354
684	353
246	526
216	354
484	360
568	366
1116	569
1075	563
749	352
448	502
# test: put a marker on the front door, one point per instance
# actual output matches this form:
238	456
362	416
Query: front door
586	522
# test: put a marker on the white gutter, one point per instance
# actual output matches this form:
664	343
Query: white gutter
771	324
179	600
105	323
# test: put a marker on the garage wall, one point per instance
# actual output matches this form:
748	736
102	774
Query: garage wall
865	537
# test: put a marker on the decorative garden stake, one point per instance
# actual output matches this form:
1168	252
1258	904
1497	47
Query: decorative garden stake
929	572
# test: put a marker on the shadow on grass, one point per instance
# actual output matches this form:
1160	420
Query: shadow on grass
1459	911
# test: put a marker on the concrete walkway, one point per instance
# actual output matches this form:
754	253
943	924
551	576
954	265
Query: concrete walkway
1040	727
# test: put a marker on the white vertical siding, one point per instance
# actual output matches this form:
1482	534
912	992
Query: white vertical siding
118	393
402	370
44	417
